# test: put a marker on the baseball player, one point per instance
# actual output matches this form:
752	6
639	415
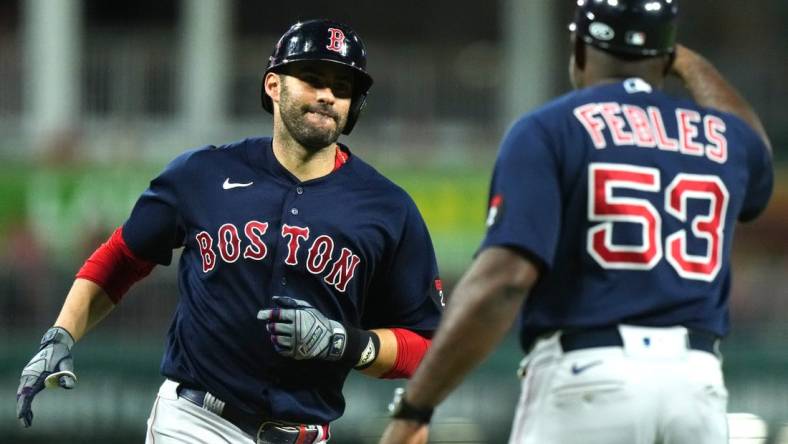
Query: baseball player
613	208
300	262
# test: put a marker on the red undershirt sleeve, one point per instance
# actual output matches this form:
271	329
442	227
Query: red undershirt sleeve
114	267
410	351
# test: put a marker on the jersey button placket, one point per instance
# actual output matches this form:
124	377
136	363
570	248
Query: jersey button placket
294	212
299	191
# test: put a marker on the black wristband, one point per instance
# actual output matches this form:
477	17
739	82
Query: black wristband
358	346
402	409
370	352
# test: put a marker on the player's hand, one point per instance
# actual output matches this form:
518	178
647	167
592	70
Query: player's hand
51	367
299	331
401	431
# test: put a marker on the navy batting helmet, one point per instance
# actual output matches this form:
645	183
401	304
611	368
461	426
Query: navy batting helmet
628	27
326	41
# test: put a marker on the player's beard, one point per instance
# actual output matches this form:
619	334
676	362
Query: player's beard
294	116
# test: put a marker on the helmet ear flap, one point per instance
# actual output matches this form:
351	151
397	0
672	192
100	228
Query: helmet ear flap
358	104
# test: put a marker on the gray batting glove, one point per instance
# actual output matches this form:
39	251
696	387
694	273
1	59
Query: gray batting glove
299	331
51	367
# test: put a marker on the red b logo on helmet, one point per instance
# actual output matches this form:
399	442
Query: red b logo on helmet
337	40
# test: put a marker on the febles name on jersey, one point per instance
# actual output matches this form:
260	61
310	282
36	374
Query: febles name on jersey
647	129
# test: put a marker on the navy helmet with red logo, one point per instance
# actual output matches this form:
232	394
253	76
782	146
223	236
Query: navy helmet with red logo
326	41
629	27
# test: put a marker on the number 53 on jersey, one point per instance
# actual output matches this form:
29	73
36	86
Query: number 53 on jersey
606	208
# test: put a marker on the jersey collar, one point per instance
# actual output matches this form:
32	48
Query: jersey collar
260	153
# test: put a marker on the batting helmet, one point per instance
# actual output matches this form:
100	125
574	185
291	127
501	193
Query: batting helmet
326	41
629	27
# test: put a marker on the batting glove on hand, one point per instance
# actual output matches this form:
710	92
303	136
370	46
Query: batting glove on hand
51	367
299	331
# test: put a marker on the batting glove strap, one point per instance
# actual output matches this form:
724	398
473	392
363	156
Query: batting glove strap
57	335
317	337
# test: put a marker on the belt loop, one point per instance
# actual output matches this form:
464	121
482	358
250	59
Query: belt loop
213	404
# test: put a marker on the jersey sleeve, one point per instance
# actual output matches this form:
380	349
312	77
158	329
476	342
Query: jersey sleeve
761	177
155	227
525	194
406	291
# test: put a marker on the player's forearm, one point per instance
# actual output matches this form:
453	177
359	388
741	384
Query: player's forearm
479	314
709	88
85	305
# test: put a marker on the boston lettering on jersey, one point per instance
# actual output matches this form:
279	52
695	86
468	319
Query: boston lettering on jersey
319	255
357	249
632	125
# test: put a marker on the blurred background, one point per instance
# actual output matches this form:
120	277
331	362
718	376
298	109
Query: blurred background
96	97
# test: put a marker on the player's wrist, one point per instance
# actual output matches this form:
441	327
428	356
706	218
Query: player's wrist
370	343
361	349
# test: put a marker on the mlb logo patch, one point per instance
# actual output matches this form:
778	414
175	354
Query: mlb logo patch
636	38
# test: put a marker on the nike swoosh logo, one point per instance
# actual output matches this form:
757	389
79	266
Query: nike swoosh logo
576	369
229	185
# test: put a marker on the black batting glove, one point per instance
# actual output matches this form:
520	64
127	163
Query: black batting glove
52	366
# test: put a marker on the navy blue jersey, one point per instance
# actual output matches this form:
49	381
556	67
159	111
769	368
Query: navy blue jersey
351	243
627	198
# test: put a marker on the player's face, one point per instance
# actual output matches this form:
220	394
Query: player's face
314	102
